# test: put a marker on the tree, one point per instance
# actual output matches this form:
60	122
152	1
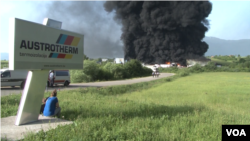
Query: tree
99	59
91	69
85	57
241	60
134	68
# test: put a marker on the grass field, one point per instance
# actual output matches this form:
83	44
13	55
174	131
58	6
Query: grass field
4	64
187	108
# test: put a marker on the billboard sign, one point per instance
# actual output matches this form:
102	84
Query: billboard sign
52	23
35	46
119	60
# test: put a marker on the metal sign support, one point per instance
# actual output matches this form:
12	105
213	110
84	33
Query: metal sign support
32	96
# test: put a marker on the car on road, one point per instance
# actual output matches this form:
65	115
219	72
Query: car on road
62	77
13	77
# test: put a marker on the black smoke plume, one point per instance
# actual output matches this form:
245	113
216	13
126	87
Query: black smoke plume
88	18
161	31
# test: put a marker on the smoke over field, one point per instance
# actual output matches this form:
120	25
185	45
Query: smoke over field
161	31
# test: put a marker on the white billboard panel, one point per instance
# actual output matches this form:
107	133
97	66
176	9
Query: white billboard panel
36	46
119	60
52	23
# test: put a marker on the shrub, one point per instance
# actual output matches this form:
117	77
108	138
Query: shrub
233	65
224	69
235	70
108	66
78	76
246	64
210	67
104	75
183	72
196	69
241	60
146	71
118	71
91	69
134	68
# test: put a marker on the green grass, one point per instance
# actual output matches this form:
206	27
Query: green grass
188	108
4	64
9	105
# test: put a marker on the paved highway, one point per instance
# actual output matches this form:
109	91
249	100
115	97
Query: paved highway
16	90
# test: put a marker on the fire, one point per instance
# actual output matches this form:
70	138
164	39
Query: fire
168	63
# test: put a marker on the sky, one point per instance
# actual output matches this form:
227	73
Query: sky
229	20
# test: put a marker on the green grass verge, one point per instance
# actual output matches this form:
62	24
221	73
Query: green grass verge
4	64
189	108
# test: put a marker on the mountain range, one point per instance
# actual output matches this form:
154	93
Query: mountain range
216	47
227	47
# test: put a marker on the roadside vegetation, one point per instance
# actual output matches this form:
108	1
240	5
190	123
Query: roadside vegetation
4	64
227	64
93	71
175	108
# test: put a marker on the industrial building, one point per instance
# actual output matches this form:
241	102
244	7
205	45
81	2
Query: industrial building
200	61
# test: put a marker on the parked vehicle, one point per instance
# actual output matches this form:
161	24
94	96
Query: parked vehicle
18	77
61	77
13	77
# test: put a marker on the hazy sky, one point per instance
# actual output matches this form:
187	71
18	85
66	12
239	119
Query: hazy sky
228	20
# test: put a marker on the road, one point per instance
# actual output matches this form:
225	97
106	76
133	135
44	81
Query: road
16	90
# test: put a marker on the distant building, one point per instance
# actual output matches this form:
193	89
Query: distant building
104	60
200	61
119	60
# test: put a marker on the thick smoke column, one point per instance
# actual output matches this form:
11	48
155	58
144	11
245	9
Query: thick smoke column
160	31
88	18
